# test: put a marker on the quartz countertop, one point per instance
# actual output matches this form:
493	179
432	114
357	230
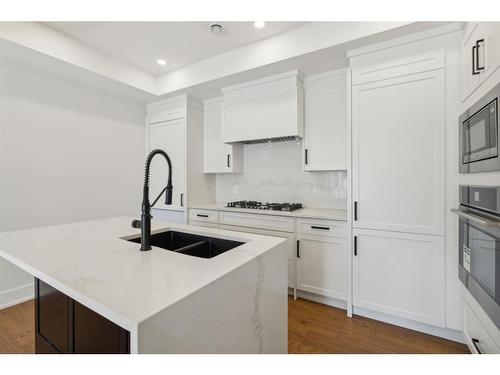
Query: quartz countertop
91	263
316	213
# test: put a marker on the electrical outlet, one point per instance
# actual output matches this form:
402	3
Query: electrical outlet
235	189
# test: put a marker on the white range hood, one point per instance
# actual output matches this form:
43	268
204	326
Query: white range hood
268	109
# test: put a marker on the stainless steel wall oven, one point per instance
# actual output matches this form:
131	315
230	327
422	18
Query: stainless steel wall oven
479	246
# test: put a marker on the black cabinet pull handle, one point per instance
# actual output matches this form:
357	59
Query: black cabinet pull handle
316	227
355	210
474	54
182	199
201	215
229	160
305	155
477	54
298	248
355	245
475	342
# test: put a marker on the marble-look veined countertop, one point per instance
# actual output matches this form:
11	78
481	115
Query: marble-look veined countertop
314	213
91	263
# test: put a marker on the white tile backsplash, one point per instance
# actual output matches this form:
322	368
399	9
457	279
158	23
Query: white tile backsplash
273	173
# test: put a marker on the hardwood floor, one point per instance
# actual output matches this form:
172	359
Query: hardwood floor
17	329
317	328
312	328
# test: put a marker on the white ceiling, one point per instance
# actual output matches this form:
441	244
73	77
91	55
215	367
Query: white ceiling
179	43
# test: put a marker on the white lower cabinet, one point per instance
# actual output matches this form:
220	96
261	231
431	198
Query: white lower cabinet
400	274
476	335
322	266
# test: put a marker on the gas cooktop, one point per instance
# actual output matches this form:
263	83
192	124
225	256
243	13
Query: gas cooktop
265	206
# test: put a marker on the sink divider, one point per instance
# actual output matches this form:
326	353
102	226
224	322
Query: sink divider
187	247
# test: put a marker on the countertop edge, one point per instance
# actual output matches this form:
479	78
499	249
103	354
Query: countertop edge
293	214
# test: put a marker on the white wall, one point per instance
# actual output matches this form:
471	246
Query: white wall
67	153
273	173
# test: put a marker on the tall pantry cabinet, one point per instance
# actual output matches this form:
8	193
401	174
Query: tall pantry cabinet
175	125
398	119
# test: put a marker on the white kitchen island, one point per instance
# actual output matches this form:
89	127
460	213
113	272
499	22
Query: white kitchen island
235	302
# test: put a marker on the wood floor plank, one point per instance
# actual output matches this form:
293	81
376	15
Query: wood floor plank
312	328
317	328
17	329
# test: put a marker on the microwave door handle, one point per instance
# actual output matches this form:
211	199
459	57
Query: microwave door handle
477	219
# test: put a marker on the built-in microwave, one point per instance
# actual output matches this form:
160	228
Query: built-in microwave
479	138
479	246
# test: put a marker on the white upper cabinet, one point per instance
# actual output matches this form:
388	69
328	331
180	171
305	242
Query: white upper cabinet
267	108
398	149
480	54
170	137
325	121
219	157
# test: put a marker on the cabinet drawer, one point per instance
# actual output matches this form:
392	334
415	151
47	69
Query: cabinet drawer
477	336
319	227
268	222
203	215
204	224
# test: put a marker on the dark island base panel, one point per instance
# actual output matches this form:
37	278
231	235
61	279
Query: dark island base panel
64	326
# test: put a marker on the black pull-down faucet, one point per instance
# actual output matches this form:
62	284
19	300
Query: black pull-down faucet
145	222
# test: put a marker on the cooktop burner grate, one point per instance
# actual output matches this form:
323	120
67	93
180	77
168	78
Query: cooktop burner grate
265	206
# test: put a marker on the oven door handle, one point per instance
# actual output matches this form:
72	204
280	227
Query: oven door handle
477	219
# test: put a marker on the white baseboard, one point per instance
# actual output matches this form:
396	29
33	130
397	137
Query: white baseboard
17	295
324	300
445	333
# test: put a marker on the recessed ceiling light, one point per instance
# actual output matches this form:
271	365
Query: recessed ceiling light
259	24
216	28
161	62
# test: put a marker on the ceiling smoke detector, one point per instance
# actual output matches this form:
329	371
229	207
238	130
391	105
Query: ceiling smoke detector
216	28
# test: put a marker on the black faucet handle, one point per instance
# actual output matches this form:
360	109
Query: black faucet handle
168	195
136	224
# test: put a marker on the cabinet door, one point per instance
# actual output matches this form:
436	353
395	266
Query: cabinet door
170	137
398	153
325	123
470	74
491	51
322	266
52	319
219	157
94	334
400	274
